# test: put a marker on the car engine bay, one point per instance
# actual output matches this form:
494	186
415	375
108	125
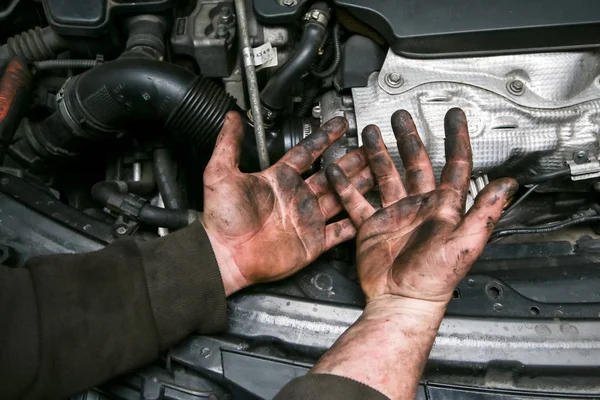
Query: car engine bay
110	109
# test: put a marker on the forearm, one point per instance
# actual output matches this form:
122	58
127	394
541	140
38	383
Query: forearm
94	316
387	348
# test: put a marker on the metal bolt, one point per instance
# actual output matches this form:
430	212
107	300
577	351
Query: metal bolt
289	3
206	352
222	32
226	15
394	80
316	111
516	87
323	282
498	307
121	230
581	154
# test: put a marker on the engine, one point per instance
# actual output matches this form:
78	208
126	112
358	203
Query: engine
109	112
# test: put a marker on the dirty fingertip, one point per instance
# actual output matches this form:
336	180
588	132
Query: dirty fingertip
402	123
335	174
231	117
335	125
509	186
455	121
371	136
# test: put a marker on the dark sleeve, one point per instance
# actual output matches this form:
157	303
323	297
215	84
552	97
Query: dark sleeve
68	322
331	387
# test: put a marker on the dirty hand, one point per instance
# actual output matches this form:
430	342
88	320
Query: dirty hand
421	243
266	226
410	254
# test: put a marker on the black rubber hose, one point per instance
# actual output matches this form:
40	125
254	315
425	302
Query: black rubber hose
310	96
34	45
146	37
166	179
116	197
65	64
544	229
276	90
337	56
164	218
530	180
100	103
15	94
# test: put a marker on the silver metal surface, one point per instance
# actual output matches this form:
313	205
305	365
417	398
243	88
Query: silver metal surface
505	136
137	171
476	185
317	16
252	82
315	327
537	80
588	170
333	105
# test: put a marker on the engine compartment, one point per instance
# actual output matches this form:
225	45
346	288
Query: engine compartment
109	112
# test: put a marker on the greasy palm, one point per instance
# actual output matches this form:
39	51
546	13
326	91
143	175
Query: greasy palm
421	243
266	226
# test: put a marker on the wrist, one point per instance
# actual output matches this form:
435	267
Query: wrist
233	279
387	347
403	308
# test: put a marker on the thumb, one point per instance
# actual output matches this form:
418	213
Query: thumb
229	144
473	232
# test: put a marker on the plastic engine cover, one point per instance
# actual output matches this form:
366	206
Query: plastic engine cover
92	17
440	28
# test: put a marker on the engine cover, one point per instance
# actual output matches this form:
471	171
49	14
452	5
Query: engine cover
441	28
526	113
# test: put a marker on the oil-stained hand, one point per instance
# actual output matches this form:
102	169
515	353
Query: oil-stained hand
266	226
421	243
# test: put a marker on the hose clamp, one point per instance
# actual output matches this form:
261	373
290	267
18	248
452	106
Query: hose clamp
317	16
131	207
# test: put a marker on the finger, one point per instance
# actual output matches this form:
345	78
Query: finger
339	232
388	177
355	204
459	160
330	203
305	153
352	163
229	143
419	174
474	230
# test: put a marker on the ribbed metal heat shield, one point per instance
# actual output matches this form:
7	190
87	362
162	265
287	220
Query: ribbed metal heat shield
555	115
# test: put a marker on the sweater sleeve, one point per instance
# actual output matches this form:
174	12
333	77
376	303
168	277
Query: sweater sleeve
70	322
325	386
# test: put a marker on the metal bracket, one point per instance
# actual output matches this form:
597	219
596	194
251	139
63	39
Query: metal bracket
589	170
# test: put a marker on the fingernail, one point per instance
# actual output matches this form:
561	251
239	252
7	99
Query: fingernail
510	188
455	121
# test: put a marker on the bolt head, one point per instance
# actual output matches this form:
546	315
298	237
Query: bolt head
226	15
516	87
289	3
316	111
394	79
121	230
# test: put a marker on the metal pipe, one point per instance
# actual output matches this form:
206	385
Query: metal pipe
252	83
